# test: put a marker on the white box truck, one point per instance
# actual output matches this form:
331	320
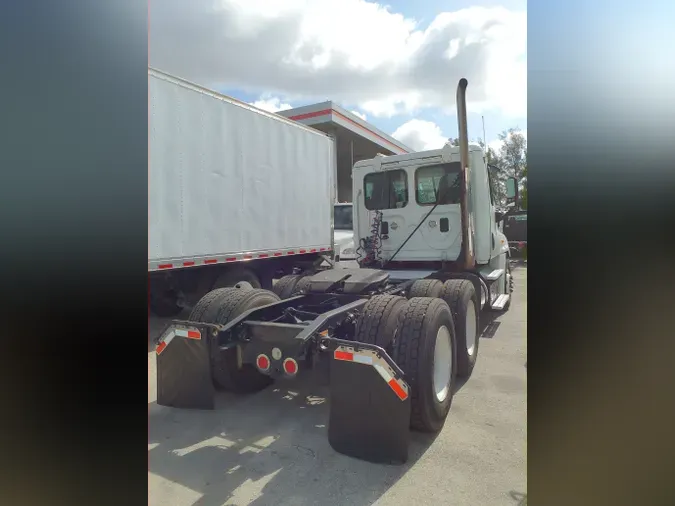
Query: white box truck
235	194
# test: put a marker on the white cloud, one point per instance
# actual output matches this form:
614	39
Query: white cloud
384	63
423	135
360	115
271	104
420	135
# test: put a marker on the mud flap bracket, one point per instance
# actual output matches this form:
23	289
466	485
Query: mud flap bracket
369	403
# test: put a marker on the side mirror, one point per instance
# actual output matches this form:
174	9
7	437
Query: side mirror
511	188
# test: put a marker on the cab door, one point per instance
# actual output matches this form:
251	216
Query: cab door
441	230
386	195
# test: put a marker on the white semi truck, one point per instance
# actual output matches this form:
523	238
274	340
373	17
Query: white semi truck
235	194
393	334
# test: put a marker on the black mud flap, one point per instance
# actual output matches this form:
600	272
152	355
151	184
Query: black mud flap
369	406
184	369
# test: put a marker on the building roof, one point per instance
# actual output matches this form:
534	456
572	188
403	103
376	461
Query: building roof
332	115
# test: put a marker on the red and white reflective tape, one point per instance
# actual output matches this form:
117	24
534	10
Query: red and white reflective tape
188	333
173	332
369	357
179	263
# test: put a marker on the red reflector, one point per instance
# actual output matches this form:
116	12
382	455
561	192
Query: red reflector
165	266
312	250
160	347
343	355
248	257
290	366
194	334
211	261
303	251
263	255
188	264
231	259
263	362
323	249
398	390
277	254
290	252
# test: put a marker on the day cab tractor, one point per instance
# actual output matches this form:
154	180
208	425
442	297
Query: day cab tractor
393	334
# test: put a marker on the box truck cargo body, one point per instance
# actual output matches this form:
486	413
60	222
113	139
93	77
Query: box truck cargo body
235	193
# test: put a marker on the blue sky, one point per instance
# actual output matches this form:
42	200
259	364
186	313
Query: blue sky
399	66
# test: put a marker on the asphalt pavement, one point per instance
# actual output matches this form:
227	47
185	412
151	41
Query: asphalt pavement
271	448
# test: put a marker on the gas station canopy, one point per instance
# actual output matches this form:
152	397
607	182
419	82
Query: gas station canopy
356	139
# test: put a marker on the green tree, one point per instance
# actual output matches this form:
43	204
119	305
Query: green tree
510	160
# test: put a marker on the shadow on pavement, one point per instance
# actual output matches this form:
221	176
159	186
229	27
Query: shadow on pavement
489	324
270	448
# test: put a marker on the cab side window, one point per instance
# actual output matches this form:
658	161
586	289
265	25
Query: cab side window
427	181
386	190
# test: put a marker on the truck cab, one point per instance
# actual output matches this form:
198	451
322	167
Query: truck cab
398	211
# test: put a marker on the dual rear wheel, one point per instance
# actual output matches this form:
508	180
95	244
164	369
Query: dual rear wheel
418	334
464	303
432	336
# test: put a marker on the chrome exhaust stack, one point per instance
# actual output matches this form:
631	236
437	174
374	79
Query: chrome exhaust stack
468	257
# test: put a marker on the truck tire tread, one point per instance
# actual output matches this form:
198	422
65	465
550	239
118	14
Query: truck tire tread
285	287
302	286
414	355
221	306
457	293
425	288
378	321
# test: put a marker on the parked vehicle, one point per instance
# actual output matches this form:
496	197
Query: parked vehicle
343	234
394	334
225	203
515	229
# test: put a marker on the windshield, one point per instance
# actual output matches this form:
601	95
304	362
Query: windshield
343	218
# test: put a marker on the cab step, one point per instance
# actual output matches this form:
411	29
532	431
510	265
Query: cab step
501	302
495	275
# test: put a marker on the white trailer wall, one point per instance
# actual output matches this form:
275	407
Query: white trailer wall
226	178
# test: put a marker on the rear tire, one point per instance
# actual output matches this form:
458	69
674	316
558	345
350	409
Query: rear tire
378	322
461	296
221	306
285	287
425	339
426	288
302	286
